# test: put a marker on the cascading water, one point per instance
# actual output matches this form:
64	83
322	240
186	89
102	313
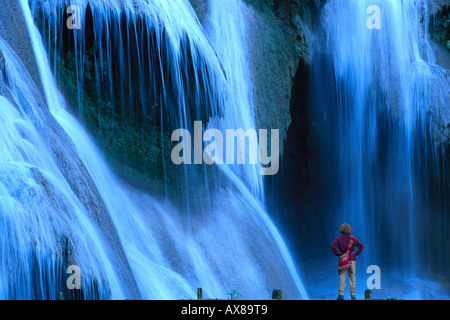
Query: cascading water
61	204
228	34
371	89
44	224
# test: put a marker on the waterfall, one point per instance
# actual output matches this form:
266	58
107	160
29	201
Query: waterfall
62	204
228	34
44	224
372	90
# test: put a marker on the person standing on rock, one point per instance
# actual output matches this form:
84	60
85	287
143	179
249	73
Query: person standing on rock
343	247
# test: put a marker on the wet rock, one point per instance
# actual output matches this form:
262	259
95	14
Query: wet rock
277	41
14	30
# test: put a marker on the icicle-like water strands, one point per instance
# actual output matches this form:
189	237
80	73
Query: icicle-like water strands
153	250
139	66
379	88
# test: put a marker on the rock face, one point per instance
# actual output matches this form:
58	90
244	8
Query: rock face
13	29
276	48
277	42
436	5
439	110
201	8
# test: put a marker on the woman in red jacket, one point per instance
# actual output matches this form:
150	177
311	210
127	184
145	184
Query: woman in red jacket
343	243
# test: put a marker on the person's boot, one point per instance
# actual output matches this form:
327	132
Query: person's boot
354	298
340	297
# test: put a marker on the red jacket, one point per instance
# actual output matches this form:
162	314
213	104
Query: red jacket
340	246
